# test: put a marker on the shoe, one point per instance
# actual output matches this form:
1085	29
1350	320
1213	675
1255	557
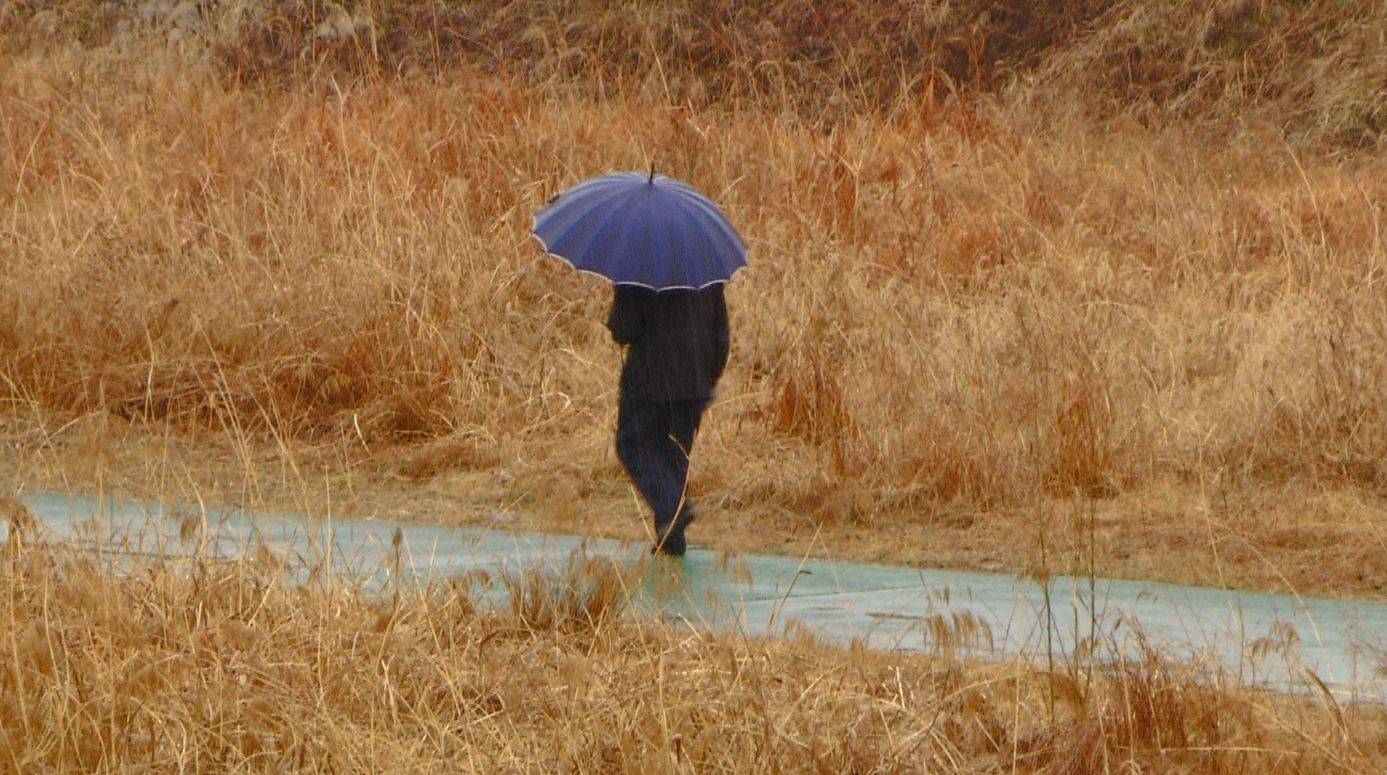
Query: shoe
669	539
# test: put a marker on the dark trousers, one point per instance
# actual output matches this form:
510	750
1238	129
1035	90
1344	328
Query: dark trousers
653	442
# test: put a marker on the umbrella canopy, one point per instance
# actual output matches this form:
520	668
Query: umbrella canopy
641	229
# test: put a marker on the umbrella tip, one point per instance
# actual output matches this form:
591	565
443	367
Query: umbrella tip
652	174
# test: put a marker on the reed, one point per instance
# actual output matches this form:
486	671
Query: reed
196	662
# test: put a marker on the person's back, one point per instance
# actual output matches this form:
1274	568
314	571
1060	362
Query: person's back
678	339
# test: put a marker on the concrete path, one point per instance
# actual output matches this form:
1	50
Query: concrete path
1258	639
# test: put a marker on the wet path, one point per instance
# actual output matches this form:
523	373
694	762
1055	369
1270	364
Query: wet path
1257	638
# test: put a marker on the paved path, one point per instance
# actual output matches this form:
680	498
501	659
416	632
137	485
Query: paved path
1343	643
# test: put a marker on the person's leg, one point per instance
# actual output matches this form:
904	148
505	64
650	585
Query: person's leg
684	419
651	459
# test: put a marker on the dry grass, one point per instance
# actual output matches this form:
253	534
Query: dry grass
1126	257
960	297
216	665
958	294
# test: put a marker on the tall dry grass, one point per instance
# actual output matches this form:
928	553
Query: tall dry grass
1311	68
1093	249
213	665
948	300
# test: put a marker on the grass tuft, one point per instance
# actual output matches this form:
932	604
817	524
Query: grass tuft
200	663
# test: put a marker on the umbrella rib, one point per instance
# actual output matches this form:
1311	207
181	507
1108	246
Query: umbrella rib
591	233
720	237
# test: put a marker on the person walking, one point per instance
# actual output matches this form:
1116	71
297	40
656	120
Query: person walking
677	344
668	251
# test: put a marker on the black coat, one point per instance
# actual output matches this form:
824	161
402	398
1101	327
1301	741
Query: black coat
678	342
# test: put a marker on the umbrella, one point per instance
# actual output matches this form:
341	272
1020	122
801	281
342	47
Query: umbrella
638	229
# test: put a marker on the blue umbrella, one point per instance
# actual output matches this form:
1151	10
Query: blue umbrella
638	229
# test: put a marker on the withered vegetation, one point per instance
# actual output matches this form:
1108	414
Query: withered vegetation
215	665
1088	283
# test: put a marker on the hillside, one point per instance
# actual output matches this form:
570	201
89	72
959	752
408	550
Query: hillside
1318	71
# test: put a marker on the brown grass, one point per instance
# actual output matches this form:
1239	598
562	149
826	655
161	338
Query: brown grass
1133	258
301	258
1120	260
208	664
959	297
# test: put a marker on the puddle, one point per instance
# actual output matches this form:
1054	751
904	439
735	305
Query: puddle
1258	639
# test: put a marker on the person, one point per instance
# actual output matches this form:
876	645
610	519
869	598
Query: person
677	344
